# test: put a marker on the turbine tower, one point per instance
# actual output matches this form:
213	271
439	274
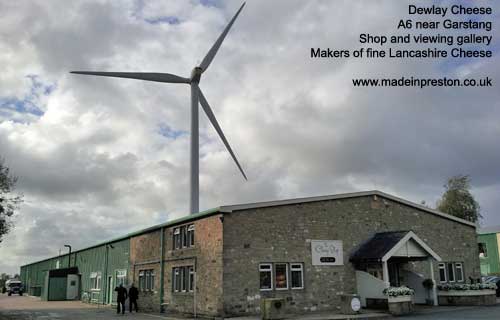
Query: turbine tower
196	97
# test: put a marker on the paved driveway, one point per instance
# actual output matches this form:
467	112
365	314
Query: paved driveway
24	308
457	313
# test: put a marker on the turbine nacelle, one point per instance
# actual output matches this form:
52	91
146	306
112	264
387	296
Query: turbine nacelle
196	74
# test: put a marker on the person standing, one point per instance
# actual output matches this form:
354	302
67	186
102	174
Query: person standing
120	299
133	295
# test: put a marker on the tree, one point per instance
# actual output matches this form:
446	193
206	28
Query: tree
9	202
458	201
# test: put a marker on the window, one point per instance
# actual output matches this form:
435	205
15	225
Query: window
190	235
183	237
147	280
95	281
459	272
121	276
183	279
451	272
191	278
177	238
442	272
266	276
176	280
281	278
297	275
142	280
483	251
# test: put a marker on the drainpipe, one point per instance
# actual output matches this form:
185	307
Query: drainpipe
162	266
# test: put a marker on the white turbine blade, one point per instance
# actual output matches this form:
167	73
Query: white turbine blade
213	120
213	51
148	76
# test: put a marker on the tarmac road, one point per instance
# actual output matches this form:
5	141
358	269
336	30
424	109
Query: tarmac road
24	308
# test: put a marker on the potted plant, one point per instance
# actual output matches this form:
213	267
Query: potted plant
399	300
462	294
429	285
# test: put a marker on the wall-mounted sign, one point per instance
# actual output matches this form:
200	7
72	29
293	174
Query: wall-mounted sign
327	253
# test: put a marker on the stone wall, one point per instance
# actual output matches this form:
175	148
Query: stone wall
283	234
206	257
145	253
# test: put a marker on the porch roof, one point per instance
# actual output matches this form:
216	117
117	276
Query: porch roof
382	246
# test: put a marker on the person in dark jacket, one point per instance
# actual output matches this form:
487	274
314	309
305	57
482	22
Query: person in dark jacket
133	295
120	299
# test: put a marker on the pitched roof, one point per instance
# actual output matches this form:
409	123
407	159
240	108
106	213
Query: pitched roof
384	245
238	207
376	247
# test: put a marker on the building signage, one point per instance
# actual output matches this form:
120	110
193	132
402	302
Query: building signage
327	253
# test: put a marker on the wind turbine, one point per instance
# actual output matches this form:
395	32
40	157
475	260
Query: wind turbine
196	97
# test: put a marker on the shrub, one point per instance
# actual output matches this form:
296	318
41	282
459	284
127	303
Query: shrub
398	291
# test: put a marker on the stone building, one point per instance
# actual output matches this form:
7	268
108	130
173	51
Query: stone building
308	251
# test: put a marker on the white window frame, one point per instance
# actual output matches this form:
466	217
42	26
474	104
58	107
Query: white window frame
176	274
142	281
95	281
191	279
121	277
151	279
190	235
442	266
452	269
286	275
485	250
183	275
294	268
184	281
459	265
270	270
177	235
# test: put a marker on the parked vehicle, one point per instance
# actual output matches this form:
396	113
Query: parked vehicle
497	282
491	279
14	286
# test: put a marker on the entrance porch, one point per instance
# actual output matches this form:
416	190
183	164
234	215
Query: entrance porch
394	259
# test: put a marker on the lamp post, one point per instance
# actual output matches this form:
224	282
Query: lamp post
69	255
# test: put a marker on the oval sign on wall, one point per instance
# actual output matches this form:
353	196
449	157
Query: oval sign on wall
355	304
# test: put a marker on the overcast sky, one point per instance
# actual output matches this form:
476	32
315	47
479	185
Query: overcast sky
100	157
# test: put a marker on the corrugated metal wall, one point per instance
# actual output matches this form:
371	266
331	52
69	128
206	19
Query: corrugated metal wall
490	264
94	260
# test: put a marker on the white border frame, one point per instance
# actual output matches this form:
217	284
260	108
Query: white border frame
267	270
301	275
445	272
286	273
461	271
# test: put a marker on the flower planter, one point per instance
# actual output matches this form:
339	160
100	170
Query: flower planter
483	297
400	305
